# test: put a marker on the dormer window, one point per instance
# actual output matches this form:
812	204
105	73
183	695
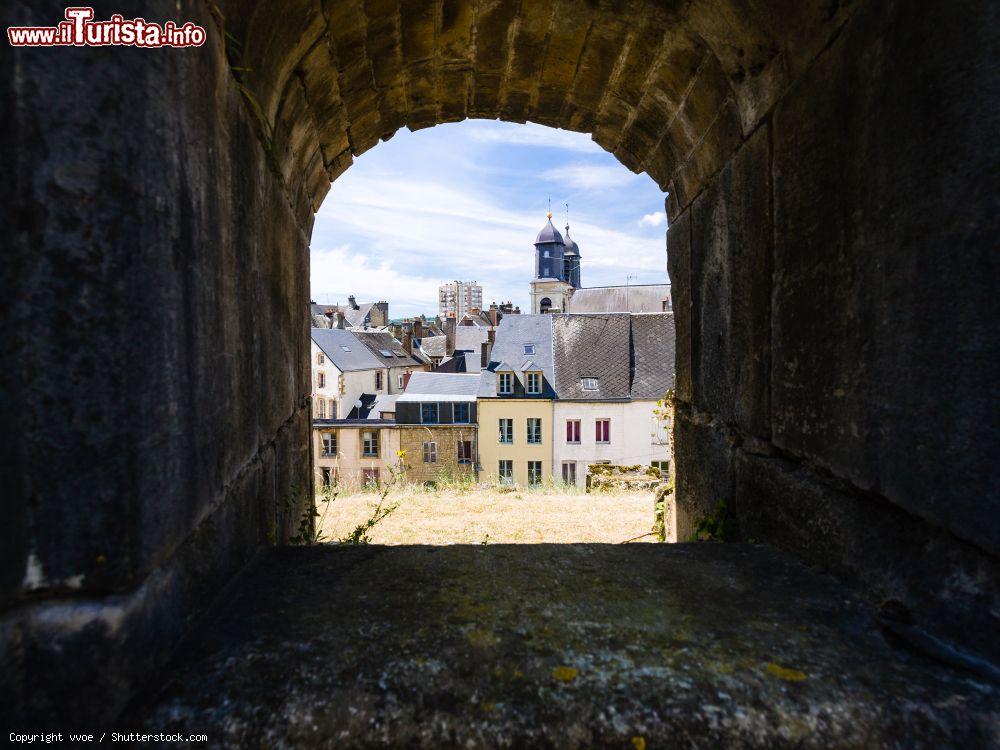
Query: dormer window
589	384
505	383
534	383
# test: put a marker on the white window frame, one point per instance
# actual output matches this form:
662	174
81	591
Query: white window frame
375	441
502	378
607	440
500	426
590	384
538	476
327	453
399	381
578	431
571	465
527	426
533	382
508	477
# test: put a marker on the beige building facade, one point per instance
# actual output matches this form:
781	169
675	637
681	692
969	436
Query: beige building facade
515	440
434	452
354	455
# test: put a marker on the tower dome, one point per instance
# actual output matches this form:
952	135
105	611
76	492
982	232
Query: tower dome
549	234
549	253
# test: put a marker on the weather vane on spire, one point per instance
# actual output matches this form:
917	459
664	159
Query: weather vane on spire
567	216
550	207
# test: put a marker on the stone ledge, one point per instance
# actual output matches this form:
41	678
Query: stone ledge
704	645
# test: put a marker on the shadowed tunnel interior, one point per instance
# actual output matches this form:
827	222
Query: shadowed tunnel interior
832	251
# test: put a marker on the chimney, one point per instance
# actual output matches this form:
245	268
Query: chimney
449	336
406	379
352	302
487	352
494	314
338	322
418	329
408	337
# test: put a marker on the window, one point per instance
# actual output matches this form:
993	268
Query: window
320	359
430	453
507	431
534	382
321	380
429	413
663	467
329	443
331	409
321	408
603	430
327	476
534	472
505	383
569	472
529	348
465	451
378	380
369	477
460	413
573	431
369	444
534	430
346	348
506	471
589	384
399	382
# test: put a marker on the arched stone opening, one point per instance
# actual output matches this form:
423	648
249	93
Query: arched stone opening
161	206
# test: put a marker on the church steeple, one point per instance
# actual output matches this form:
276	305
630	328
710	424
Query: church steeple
571	258
549	250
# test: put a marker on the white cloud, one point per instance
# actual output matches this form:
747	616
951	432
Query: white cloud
531	134
590	176
655	219
340	271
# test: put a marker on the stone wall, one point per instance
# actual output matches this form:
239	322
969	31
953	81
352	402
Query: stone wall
836	370
412	439
154	367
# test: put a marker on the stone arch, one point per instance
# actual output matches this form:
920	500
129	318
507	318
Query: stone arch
813	208
544	304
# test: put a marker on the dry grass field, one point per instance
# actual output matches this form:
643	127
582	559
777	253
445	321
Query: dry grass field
487	515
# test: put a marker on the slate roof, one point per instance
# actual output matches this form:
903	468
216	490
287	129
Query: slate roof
592	346
353	318
434	346
548	234
654	347
512	334
377	341
441	386
632	356
640	298
383	402
364	410
332	341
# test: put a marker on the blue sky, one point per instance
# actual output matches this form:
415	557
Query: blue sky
465	201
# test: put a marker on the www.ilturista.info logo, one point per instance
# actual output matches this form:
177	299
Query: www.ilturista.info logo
80	30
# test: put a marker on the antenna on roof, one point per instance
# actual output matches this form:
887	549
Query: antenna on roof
567	217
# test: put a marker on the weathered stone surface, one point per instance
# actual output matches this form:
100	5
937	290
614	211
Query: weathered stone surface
731	291
557	646
679	269
885	351
951	588
703	457
155	352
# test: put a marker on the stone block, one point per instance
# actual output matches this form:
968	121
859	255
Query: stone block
885	351
731	290
951	588
679	269
703	459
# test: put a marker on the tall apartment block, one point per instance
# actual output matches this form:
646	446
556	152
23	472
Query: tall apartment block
457	298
